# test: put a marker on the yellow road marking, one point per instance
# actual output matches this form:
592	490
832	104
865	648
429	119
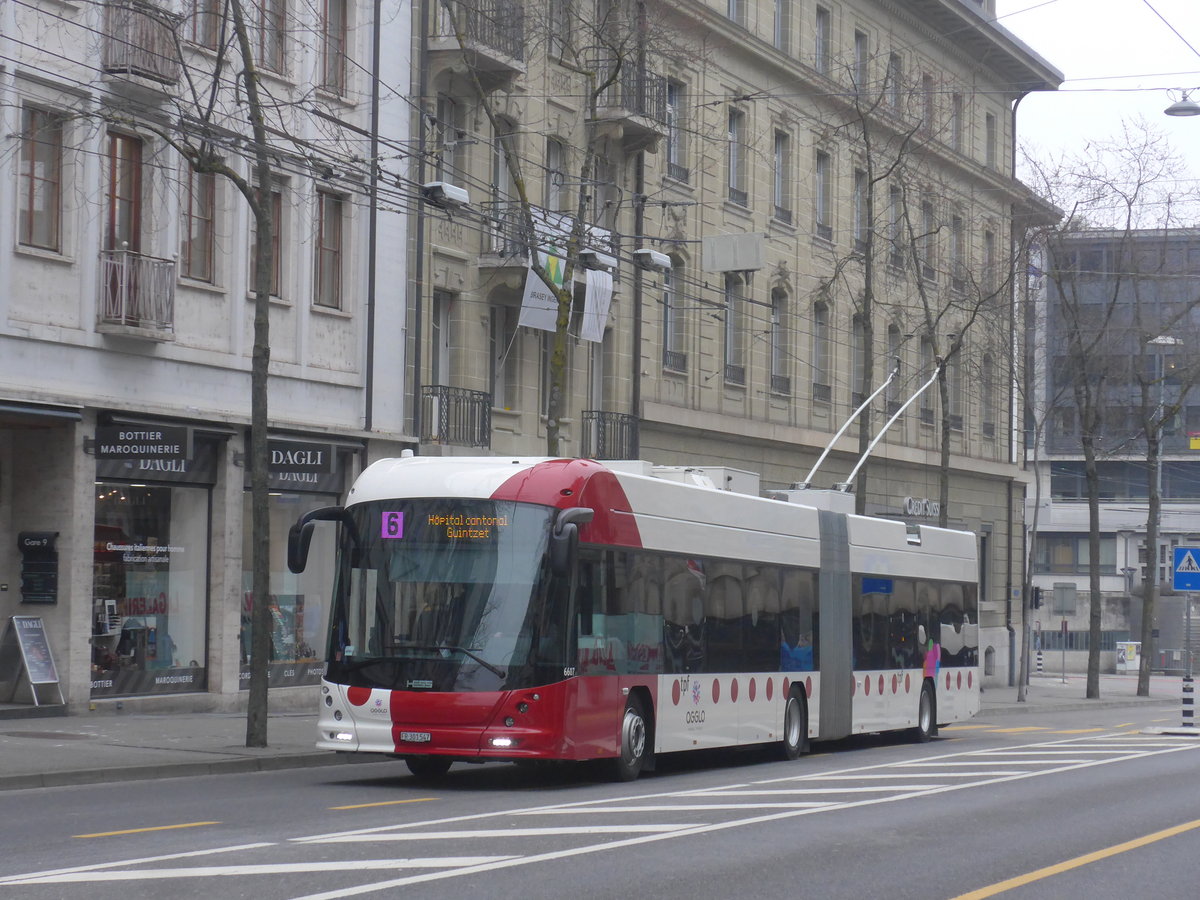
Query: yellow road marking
1019	730
1058	868
385	803
1080	730
964	727
141	830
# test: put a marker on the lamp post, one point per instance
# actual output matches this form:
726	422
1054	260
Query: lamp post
1154	516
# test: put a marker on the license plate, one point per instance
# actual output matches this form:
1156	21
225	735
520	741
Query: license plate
416	737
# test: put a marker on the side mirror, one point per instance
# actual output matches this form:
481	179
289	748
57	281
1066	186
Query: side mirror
565	537
300	534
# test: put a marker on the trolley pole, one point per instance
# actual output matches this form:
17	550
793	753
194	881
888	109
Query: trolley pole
1064	651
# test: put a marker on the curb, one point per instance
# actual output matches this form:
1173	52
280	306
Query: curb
1080	706
184	770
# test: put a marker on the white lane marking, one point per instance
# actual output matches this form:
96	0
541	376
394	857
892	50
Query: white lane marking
99	867
675	807
505	832
992	762
348	865
1044	751
722	792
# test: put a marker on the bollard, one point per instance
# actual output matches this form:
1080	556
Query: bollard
1039	662
1188	700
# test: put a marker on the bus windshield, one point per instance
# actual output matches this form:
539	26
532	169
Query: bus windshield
447	595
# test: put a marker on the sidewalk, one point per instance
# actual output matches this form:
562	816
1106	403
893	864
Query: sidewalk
113	746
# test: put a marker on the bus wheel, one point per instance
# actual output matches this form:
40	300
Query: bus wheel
428	767
634	750
795	728
925	716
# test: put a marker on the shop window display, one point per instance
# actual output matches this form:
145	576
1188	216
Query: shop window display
149	589
299	603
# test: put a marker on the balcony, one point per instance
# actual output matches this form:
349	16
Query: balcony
634	106
492	39
137	295
505	232
456	416
609	435
140	50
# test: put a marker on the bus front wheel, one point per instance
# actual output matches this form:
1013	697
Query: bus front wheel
634	745
427	767
926	726
795	728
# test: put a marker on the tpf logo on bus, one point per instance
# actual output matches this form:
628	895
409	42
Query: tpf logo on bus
694	717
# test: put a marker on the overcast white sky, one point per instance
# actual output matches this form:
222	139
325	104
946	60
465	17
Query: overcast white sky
1120	59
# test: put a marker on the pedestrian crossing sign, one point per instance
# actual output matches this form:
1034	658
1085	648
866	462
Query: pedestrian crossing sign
1187	569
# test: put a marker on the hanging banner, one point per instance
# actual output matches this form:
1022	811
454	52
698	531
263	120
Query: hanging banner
539	305
596	301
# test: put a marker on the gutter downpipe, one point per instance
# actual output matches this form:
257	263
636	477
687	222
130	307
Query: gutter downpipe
372	225
416	285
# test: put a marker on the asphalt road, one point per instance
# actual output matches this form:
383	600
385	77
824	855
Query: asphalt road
1021	806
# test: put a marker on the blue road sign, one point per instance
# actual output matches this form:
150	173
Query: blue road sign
1186	569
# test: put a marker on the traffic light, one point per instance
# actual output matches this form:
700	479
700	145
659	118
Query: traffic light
1035	599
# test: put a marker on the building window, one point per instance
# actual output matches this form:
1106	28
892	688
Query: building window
331	212
928	242
862	61
782	25
198	209
40	198
954	391
737	153
989	138
928	103
895	227
735	362
736	11
927	367
987	398
821	37
895	343
1070	554
276	244
449	140
956	122
821	196
893	88
206	23
556	175
780	382
989	262
333	45
560	28
861	219
674	357
123	228
957	255
270	30
505	357
858	359
676	159
782	177
820	353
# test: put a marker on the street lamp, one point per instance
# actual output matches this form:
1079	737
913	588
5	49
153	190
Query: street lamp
1183	108
1160	343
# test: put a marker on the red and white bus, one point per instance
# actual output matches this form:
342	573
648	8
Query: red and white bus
565	609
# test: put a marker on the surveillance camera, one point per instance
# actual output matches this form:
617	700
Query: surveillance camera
651	259
593	259
445	195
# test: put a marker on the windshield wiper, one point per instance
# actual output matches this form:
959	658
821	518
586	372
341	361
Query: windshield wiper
495	670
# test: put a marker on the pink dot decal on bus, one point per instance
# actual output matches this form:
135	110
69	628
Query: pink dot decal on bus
393	525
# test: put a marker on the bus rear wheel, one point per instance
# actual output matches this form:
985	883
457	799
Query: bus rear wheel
795	728
925	716
427	767
634	744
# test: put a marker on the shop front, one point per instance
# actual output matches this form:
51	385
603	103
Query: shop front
150	559
303	475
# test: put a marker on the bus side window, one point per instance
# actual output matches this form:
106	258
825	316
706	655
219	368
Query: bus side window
683	609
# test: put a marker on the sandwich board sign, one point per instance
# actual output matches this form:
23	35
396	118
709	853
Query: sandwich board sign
1186	569
28	662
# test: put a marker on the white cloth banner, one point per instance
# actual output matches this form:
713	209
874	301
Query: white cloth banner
596	301
539	306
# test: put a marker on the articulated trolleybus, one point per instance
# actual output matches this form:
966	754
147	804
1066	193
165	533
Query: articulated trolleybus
565	609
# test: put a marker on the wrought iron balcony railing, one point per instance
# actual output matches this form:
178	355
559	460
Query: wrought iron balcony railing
637	92
136	290
609	435
139	40
498	25
451	415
